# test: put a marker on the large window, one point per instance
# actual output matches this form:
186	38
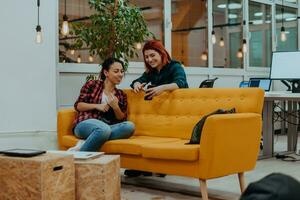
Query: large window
76	10
79	11
260	39
189	32
286	28
153	12
227	20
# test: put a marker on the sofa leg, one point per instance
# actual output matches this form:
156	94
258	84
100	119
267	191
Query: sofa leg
242	181
203	188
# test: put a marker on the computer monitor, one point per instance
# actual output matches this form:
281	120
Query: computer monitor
264	83
285	66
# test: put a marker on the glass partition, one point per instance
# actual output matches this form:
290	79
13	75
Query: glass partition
153	12
189	32
227	20
260	27
79	11
286	28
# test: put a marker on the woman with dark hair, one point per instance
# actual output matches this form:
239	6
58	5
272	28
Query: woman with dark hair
102	109
162	72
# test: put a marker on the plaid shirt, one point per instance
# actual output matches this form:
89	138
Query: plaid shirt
92	92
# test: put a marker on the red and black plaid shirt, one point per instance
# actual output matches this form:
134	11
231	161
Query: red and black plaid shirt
91	92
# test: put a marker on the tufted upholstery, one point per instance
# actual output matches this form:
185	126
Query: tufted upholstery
229	142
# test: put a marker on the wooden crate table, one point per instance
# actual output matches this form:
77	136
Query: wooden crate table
98	178
44	177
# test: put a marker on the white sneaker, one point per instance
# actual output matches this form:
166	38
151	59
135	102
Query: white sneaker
77	146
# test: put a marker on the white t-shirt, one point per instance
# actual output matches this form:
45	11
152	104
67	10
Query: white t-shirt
104	98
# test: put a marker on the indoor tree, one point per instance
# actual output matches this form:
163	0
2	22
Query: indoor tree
113	31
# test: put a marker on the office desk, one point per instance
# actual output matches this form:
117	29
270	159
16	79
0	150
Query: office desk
292	100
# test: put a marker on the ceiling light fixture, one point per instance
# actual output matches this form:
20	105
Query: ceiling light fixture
138	46
244	46
213	37
72	51
78	59
65	25
282	30
91	58
39	36
239	54
222	43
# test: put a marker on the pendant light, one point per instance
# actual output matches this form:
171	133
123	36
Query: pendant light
65	25
72	51
79	59
138	46
282	30
39	36
221	43
244	46
204	56
213	34
91	58
213	37
239	54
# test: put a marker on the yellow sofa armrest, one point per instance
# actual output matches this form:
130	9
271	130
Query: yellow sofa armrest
65	118
229	144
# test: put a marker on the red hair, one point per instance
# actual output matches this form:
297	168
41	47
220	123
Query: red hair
157	46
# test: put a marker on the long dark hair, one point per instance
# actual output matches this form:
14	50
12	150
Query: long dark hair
106	66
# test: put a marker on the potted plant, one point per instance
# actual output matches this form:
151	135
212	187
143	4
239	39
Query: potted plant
113	31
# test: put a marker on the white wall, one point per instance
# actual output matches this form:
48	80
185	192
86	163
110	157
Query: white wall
27	70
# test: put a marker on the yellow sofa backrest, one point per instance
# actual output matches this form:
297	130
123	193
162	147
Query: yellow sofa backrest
174	114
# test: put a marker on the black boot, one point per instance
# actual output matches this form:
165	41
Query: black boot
132	173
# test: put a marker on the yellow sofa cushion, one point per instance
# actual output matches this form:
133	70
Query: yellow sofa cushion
173	150
174	114
133	145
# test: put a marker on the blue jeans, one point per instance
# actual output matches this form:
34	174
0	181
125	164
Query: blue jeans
96	133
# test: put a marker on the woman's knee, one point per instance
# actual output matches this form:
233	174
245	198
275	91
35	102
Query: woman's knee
129	127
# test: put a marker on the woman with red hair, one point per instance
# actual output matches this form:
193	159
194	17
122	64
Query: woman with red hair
164	74
161	72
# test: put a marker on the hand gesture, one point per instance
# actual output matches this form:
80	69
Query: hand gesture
138	86
154	91
102	107
113	101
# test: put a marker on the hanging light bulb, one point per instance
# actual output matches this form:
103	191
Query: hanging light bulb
204	56
282	34
282	30
65	25
239	54
221	43
138	46
244	46
39	36
91	58
72	51
213	37
78	59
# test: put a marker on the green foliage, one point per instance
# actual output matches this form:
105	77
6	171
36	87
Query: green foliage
113	30
91	77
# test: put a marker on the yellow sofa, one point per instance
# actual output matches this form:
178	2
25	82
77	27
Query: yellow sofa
229	142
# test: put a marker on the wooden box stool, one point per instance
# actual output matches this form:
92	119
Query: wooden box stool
98	178
43	177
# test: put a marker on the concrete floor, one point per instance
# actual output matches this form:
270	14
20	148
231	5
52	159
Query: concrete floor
170	187
175	187
226	188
